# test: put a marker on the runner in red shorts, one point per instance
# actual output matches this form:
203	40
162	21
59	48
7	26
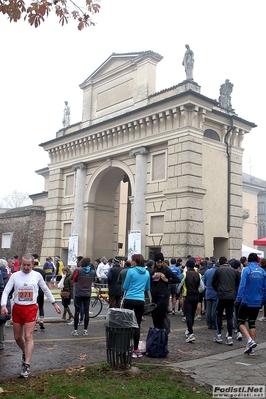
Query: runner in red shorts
26	285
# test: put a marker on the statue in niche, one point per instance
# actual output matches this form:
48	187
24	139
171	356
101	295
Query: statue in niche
66	116
225	95
188	62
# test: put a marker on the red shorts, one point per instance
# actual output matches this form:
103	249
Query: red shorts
22	314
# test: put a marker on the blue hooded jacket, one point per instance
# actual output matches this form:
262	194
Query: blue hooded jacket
136	283
252	287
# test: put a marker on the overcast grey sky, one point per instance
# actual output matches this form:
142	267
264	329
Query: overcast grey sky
41	68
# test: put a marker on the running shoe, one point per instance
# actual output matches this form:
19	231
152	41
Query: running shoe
191	338
25	372
75	332
239	336
198	317
71	323
229	341
85	332
263	318
41	324
186	333
184	319
252	352
218	339
136	353
250	345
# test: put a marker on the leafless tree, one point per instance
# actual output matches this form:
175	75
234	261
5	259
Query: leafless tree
15	200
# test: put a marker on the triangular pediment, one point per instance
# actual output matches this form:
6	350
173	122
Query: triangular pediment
119	62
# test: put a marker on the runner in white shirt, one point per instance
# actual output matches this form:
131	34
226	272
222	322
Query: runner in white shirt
26	285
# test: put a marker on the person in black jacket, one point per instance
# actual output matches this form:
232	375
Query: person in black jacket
191	285
83	277
225	282
40	299
114	287
161	276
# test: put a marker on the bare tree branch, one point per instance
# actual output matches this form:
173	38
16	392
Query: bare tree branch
16	200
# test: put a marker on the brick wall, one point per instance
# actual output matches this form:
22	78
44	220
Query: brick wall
27	226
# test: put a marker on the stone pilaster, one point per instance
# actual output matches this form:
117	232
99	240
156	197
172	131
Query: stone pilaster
184	224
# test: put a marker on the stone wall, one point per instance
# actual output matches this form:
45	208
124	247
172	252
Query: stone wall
27	226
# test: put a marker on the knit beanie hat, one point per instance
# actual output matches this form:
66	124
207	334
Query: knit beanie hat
190	263
235	264
158	257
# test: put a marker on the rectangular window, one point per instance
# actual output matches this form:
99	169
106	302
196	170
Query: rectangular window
7	240
69	188
261	208
156	224
261	229
158	167
67	227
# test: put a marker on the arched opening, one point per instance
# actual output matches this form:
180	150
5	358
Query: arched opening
109	216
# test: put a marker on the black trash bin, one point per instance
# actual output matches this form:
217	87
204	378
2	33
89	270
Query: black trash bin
119	347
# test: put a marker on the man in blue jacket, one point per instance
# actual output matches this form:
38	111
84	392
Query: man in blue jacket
210	297
251	295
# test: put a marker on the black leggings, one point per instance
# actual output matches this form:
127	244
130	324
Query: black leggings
190	306
160	313
79	300
228	305
138	307
40	301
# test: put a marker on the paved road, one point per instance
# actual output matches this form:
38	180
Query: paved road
205	360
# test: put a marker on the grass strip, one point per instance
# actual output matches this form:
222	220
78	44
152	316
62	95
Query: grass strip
100	382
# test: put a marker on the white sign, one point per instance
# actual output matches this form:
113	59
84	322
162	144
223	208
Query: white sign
238	391
134	243
72	249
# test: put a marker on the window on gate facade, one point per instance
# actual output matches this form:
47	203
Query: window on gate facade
7	240
156	224
67	227
158	167
69	188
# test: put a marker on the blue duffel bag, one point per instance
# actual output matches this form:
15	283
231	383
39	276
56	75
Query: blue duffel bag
157	342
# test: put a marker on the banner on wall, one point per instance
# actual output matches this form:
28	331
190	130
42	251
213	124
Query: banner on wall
72	249
134	242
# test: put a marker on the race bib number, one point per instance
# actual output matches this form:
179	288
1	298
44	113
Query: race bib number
25	293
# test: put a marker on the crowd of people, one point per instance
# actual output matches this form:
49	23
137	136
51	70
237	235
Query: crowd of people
234	289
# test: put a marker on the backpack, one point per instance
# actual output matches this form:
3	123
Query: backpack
157	342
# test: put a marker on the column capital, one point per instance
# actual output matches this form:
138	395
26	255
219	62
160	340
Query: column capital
138	151
79	165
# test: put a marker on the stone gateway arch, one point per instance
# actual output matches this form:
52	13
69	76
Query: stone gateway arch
166	163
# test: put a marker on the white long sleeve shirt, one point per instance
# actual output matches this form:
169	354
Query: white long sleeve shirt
26	288
102	270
